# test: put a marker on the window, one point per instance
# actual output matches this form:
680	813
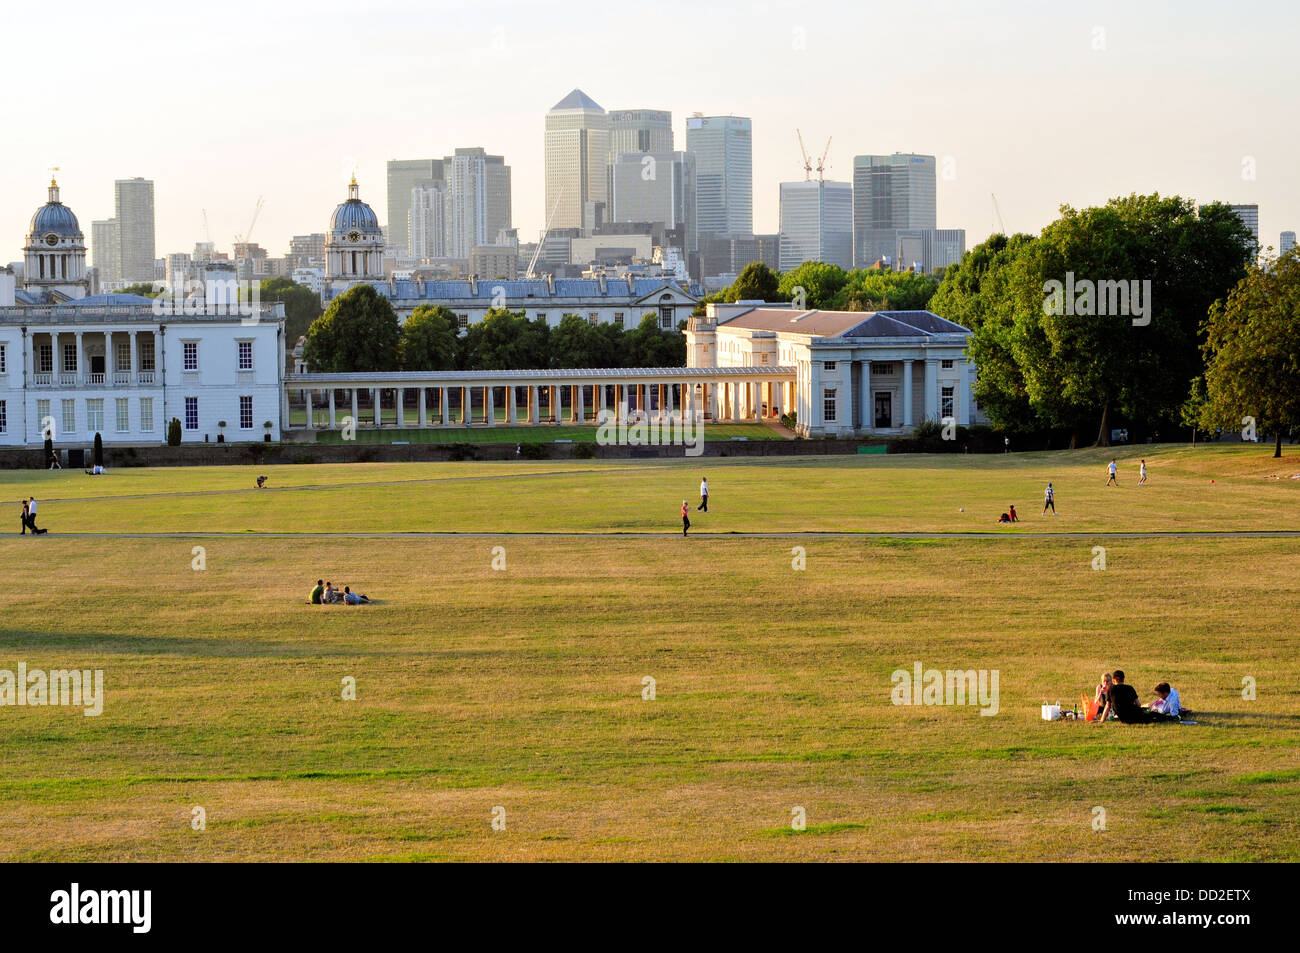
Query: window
618	319
541	315
828	406
191	352
462	321
766	357
191	413
95	415
123	414
946	365
69	416
246	413
593	317
123	356
946	402
4	419
70	358
146	354
666	319
45	359
245	355
882	370
828	365
43	417
146	414
3	366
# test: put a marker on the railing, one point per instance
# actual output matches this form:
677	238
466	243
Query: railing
43	378
68	379
144	377
95	378
121	377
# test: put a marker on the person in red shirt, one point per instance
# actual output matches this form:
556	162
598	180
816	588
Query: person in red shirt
686	520
1012	514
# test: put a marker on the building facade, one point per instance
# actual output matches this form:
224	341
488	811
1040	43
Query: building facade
724	167
856	373
1286	242
354	244
1249	215
133	200
54	256
656	187
816	224
404	175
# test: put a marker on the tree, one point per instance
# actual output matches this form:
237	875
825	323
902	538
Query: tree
143	288
358	332
429	339
1252	346
576	342
756	283
648	345
1193	409
508	340
301	307
174	432
820	283
876	289
98	452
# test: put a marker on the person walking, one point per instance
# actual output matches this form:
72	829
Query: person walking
31	516
704	495
25	517
686	519
1049	499
1111	481
1142	474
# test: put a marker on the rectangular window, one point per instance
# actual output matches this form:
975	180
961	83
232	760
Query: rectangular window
618	319
70	358
146	354
462	321
69	416
45	359
766	357
191	413
828	365
43	417
946	402
123	356
95	415
245	355
4	419
946	365
882	370
3	365
593	317
828	406
191	352
123	414
541	315
146	414
246	413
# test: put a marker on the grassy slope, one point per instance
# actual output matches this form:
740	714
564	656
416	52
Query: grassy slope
522	688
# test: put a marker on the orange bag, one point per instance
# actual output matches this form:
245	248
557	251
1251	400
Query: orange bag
1091	708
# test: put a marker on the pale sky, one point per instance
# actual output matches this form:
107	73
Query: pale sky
1039	103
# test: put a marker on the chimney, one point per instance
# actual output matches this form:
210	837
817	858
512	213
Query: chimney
631	284
601	278
473	285
550	284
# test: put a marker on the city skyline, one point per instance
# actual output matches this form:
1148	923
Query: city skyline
1120	96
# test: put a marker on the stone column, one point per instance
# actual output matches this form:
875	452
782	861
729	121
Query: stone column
310	424
332	422
512	415
79	377
355	413
908	416
132	375
489	406
668	404
443	408
711	402
423	419
967	396
582	405
534	399
868	402
931	389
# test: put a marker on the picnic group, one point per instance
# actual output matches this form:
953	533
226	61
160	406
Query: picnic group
324	594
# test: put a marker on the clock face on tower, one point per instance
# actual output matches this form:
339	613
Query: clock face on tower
51	239
354	236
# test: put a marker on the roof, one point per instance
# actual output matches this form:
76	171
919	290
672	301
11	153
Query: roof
524	289
845	324
108	301
577	100
57	218
769	372
354	213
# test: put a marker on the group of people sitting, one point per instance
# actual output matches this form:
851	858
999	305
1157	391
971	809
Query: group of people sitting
1117	699
1010	516
326	594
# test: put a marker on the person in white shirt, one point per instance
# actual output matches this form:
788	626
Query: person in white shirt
1167	702
704	495
1142	474
31	516
1049	499
1111	469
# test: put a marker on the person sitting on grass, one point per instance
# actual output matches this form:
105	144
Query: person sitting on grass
261	482
317	593
1004	518
1103	690
1012	513
1167	702
330	595
1122	700
352	599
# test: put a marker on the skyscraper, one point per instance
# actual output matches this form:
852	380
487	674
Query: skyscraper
403	176
890	193
816	224
656	187
1249	215
577	160
1286	243
105	254
477	200
135	228
640	130
724	169
427	230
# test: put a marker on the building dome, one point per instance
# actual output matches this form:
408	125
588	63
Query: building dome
55	218
354	215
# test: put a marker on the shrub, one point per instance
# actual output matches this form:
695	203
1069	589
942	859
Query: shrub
99	450
174	432
584	451
534	451
789	420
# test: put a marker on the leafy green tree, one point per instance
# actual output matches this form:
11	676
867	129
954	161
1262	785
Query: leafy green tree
143	288
576	342
820	283
508	340
429	339
756	283
648	345
1252	346
874	289
1193	408
301	307
358	332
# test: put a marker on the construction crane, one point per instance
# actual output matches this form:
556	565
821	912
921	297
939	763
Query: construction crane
244	238
533	264
207	232
821	163
807	163
1002	228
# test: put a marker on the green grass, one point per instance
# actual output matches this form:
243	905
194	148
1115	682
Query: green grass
522	688
545	433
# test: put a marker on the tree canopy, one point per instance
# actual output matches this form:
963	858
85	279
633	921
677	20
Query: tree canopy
359	331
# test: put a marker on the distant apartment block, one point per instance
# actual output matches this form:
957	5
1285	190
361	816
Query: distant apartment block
134	202
724	169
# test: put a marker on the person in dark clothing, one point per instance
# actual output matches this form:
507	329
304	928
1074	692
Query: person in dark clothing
25	518
686	520
1123	701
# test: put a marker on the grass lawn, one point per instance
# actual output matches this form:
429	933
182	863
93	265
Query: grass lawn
521	688
545	433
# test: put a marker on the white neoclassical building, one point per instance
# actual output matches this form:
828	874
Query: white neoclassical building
123	366
856	373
